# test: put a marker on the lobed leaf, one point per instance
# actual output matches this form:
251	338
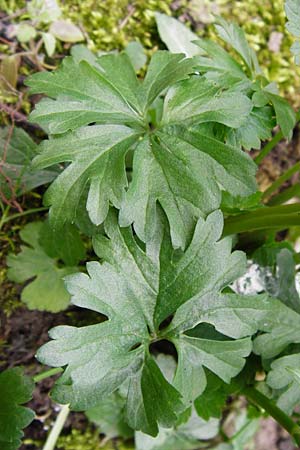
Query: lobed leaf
233	35
100	153
135	289
284	379
15	390
175	35
97	156
46	292
16	174
82	94
292	9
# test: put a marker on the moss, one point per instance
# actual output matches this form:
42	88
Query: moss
9	299
11	6
259	20
89	440
111	24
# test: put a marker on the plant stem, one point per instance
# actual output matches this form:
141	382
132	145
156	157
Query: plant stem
4	216
46	374
269	217
259	399
271	144
284	177
268	147
284	196
24	213
57	427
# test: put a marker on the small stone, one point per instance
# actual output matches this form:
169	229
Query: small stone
275	40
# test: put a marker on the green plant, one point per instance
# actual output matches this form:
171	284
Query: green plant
156	172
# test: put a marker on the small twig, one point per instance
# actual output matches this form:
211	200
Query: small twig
131	10
22	214
57	428
13	15
6	41
16	115
13	201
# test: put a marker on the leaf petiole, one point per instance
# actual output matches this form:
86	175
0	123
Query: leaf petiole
24	213
271	217
279	182
48	373
271	144
260	400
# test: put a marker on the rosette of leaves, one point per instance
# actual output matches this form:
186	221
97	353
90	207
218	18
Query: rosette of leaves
150	295
97	117
241	73
15	390
44	262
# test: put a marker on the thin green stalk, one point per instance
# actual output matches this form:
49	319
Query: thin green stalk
271	144
4	216
259	399
24	213
269	217
284	196
57	428
282	179
268	147
47	373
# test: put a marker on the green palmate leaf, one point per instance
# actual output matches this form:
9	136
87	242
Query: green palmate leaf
281	330
258	128
216	62
15	390
217	65
46	292
278	274
285	115
136	53
176	36
284	378
233	35
286	290
97	156
16	174
100	153
166	169
206	104
80	52
84	94
292	9
137	290
164	70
